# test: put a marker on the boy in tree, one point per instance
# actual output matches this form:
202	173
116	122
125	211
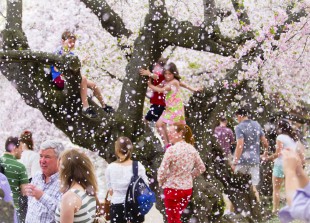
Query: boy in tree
68	43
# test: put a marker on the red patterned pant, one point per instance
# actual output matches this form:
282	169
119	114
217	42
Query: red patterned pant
175	203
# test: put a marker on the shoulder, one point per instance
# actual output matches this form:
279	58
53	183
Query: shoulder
256	123
140	165
3	178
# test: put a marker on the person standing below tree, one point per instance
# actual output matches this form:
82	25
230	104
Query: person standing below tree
44	191
29	157
68	42
118	177
79	187
287	138
225	137
249	134
180	165
15	172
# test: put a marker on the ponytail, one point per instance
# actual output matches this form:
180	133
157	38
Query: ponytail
187	133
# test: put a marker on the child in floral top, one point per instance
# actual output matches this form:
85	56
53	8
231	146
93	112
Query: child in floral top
174	111
180	165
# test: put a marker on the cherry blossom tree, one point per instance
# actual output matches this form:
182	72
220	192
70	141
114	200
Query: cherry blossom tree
255	60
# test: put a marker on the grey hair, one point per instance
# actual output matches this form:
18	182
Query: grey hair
57	146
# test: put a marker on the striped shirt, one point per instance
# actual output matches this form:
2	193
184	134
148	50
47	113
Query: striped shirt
43	210
16	175
87	211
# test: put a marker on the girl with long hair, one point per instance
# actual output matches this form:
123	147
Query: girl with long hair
118	175
79	188
174	112
180	165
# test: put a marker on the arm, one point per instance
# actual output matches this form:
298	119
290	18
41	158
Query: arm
238	152
23	180
295	176
49	200
148	73
184	85
69	204
163	170
142	173
199	166
164	89
279	147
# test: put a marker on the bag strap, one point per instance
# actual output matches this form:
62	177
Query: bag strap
135	169
129	194
98	207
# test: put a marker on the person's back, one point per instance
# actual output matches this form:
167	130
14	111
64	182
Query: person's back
16	174
31	159
87	210
225	138
251	132
287	142
119	176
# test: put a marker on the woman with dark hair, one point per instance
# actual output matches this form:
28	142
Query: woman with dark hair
79	188
29	157
287	138
180	165
118	175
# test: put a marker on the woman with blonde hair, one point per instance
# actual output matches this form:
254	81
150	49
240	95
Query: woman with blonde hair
79	187
180	165
118	175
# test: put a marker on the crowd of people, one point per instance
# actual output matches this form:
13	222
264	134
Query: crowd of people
58	185
64	189
288	163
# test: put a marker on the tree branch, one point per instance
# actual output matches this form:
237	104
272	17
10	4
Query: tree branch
110	20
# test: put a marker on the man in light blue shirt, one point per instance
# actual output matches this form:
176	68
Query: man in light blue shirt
249	134
43	192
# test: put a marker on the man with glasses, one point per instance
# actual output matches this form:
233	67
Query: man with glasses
43	192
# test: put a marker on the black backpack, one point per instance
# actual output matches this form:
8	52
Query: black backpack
139	197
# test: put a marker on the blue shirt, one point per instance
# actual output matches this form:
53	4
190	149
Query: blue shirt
300	207
251	132
43	210
59	51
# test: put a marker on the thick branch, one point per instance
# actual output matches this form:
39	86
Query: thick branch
210	13
110	21
186	35
14	14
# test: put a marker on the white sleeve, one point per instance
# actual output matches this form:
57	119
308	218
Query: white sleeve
107	178
142	173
